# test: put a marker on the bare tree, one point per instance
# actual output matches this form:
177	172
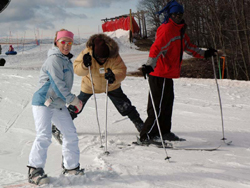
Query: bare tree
221	24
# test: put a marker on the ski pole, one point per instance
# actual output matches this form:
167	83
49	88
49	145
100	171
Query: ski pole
221	113
98	123
106	120
157	121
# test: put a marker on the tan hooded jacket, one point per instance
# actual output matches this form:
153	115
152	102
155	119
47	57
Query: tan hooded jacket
114	62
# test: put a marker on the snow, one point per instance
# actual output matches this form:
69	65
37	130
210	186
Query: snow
196	117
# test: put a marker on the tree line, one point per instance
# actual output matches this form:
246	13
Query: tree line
221	24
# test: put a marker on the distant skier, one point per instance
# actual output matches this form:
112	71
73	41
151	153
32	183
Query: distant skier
164	64
48	105
11	49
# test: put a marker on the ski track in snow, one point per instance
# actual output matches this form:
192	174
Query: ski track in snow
196	116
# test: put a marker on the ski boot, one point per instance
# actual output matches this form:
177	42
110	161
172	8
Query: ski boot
142	142
57	134
37	176
75	171
172	137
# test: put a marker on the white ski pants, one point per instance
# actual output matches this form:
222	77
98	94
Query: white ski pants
44	117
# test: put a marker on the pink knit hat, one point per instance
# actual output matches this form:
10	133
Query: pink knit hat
61	34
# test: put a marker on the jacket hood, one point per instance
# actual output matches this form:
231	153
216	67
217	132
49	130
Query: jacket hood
113	46
54	51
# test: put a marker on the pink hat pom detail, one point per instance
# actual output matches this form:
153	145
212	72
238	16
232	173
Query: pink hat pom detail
61	34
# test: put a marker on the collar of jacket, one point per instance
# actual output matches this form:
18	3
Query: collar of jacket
170	21
70	55
55	51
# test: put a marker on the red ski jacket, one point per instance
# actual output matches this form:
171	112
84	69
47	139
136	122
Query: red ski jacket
166	52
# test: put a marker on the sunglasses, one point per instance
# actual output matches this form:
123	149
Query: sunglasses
65	42
178	13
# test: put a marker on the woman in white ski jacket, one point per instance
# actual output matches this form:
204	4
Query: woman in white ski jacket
48	105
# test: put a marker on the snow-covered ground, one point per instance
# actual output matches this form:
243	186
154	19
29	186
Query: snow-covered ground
196	117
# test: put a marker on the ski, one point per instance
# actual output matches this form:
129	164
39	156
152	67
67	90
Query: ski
21	185
152	143
179	146
227	143
194	148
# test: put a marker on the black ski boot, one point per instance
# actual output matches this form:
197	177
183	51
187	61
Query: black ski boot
172	137
138	124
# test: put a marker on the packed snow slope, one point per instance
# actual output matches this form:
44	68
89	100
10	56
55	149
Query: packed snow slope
196	117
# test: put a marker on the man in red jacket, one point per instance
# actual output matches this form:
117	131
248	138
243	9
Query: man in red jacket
164	63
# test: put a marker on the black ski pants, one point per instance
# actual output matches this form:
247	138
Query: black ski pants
120	101
163	95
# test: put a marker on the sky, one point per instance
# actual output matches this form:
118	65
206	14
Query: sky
82	17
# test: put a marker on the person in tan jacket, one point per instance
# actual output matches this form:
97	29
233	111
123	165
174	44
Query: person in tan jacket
102	55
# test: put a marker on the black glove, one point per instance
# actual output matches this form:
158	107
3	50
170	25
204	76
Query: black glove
110	76
72	110
210	52
146	69
87	60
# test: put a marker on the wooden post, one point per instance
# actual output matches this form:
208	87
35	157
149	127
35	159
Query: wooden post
131	27
146	36
139	20
17	42
79	36
23	41
131	23
143	24
223	66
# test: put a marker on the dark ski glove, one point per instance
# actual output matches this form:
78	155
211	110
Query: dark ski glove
110	76
210	52
146	69
72	110
87	60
